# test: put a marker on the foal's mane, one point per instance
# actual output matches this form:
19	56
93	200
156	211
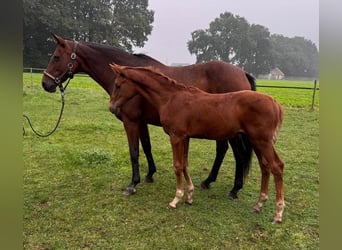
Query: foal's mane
161	77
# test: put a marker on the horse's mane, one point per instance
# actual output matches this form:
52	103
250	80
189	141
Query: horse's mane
104	47
145	57
110	50
162	77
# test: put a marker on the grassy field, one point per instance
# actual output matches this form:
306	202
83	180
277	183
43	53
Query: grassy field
73	181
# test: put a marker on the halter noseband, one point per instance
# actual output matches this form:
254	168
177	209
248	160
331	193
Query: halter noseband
68	71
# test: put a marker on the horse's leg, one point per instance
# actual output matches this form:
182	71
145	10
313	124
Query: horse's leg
221	149
146	145
132	132
242	151
188	180
178	147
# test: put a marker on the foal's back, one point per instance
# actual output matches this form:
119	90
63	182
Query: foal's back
219	116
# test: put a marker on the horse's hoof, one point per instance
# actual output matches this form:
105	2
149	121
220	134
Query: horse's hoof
149	179
232	196
205	185
129	191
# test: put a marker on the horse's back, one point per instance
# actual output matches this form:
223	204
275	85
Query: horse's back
212	76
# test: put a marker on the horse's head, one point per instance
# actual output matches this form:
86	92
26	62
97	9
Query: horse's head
123	89
61	65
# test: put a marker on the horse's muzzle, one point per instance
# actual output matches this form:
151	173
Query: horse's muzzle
51	88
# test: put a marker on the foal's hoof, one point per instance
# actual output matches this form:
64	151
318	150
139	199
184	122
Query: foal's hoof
129	191
171	206
276	221
256	210
149	179
189	202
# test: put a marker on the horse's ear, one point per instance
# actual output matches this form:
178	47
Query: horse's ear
59	40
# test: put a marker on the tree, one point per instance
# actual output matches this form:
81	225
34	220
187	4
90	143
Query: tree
259	51
296	56
121	23
232	39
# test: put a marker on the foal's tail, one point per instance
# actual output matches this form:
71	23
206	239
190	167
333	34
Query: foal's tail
279	116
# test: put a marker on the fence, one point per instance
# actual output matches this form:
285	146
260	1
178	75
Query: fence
314	88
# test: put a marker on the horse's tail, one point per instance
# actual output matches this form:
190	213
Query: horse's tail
280	117
243	153
251	80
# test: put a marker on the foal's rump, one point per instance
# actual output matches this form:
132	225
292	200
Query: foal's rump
259	114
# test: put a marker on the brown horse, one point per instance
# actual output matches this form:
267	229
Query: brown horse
188	112
71	57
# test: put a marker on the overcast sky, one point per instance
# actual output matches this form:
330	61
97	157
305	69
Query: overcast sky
174	20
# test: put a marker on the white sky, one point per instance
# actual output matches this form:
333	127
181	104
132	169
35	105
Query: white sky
174	20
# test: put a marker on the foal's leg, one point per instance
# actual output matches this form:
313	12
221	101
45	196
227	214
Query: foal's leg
178	151
270	162
146	145
186	174
277	172
221	149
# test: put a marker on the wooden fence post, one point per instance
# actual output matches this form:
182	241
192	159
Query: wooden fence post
31	76
313	95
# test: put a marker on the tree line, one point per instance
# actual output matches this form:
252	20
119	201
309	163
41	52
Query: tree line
232	39
127	23
121	23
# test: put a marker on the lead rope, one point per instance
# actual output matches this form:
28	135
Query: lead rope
59	118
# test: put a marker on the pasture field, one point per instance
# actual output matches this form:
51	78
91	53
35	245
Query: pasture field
73	181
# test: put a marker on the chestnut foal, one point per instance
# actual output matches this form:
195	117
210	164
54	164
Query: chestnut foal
188	112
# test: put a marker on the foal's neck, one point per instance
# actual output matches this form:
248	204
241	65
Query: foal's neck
157	89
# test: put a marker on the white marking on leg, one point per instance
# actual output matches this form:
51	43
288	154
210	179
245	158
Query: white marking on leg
178	197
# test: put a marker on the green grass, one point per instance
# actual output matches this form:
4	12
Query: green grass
73	182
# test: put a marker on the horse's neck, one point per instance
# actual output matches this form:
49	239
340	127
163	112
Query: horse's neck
95	63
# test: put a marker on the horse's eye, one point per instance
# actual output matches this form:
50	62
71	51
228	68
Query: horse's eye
56	58
117	87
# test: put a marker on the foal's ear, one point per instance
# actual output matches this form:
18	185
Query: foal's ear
59	40
116	68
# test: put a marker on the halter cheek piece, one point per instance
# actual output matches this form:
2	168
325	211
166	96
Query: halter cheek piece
67	71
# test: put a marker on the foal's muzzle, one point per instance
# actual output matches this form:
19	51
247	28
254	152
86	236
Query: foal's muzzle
114	108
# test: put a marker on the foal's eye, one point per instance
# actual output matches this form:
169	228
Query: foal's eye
117	87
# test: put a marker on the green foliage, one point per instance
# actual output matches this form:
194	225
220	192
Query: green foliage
232	39
73	181
295	56
250	46
119	23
